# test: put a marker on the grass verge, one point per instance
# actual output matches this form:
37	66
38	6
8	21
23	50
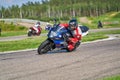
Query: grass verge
13	33
112	78
16	33
28	43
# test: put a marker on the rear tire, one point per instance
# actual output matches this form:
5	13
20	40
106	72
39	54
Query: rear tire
44	47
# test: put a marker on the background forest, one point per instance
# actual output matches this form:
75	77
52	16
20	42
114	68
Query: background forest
60	9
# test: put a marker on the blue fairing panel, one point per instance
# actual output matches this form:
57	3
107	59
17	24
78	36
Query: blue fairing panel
59	43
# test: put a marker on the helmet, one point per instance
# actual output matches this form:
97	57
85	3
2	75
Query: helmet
38	23
73	24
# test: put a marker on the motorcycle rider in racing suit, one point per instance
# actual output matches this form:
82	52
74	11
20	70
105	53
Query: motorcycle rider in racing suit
37	27
76	33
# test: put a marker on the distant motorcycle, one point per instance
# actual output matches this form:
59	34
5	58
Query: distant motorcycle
32	31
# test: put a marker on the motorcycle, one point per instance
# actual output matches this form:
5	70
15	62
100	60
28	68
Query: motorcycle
32	31
57	38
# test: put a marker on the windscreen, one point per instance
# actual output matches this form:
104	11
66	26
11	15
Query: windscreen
57	31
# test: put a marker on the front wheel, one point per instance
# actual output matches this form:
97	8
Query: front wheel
29	33
44	47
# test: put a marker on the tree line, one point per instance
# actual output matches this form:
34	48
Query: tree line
60	9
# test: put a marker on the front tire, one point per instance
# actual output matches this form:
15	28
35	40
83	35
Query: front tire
44	47
29	33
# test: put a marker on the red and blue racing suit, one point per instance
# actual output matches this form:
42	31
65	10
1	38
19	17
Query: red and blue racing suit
76	36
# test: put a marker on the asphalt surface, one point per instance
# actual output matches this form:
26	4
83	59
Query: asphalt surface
91	61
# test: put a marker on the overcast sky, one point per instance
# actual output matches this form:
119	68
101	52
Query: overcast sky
6	3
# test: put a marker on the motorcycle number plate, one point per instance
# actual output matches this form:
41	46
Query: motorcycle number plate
58	45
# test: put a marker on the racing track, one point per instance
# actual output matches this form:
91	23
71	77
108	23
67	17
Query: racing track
90	61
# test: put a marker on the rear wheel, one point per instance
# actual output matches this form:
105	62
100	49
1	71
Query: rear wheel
45	47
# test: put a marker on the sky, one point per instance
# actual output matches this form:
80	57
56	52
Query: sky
6	3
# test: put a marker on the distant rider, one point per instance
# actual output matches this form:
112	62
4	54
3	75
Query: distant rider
48	26
37	27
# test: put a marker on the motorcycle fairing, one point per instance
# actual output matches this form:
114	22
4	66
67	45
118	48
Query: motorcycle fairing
59	43
56	34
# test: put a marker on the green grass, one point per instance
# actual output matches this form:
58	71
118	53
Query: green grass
110	32
11	26
13	33
93	36
99	35
109	20
28	43
10	29
112	78
16	33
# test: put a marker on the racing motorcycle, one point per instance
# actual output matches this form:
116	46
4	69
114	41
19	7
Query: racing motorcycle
57	38
32	31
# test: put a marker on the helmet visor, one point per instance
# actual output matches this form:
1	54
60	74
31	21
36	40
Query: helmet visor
72	27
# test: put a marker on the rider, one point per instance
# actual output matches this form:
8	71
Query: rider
37	27
48	26
76	33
